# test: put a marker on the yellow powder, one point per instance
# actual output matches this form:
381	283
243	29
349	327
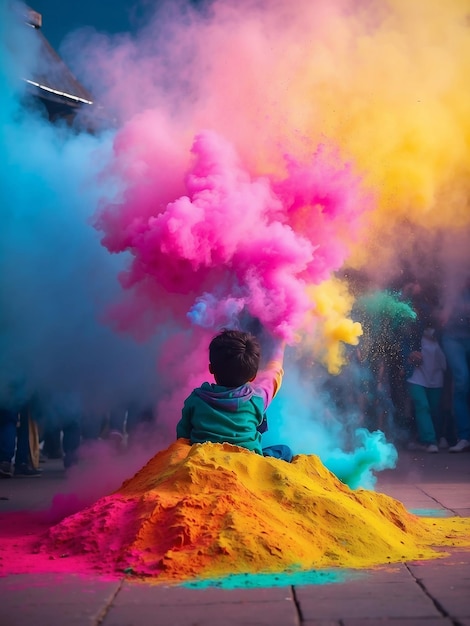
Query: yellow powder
210	510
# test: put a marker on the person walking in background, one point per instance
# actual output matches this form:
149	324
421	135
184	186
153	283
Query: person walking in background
456	345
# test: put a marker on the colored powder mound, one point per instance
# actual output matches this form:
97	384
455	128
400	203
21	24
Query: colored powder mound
212	510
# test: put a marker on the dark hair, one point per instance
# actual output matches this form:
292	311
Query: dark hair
234	357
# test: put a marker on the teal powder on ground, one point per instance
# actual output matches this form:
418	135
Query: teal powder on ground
280	579
431	512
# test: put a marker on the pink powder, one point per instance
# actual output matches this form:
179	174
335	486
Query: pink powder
229	239
21	533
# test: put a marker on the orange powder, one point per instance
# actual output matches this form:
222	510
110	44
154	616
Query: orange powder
210	510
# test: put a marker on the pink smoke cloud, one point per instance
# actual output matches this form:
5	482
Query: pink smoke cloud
232	239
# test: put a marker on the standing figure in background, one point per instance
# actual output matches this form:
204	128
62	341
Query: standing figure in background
456	346
424	365
8	423
27	444
425	389
15	433
63	414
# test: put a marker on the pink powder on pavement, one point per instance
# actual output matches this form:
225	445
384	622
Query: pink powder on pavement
21	532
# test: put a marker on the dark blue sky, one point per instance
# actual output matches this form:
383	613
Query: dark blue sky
59	17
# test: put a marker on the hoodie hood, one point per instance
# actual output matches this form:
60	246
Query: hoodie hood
224	398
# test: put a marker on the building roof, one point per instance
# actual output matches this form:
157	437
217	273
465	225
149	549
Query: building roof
52	81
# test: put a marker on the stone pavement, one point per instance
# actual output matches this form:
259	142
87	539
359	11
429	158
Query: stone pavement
423	593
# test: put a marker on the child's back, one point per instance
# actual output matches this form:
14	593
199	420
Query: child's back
233	409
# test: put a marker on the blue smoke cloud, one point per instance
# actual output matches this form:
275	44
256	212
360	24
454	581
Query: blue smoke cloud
304	416
56	279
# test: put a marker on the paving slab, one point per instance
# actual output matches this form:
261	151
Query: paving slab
364	599
49	599
233	613
448	582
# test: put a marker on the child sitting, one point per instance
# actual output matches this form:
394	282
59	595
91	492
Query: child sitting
233	409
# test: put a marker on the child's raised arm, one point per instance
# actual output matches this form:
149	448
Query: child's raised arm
268	380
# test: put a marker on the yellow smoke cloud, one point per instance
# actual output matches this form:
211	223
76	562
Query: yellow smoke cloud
329	328
387	82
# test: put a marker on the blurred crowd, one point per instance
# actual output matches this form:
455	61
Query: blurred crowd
409	375
56	427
